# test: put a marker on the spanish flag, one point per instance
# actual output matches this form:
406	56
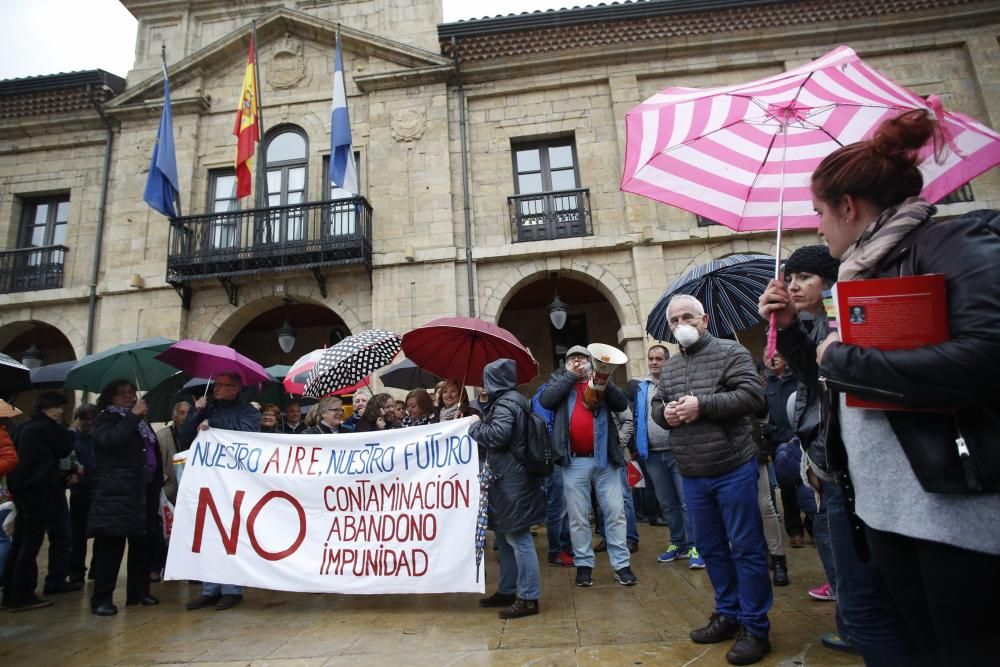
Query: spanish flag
246	129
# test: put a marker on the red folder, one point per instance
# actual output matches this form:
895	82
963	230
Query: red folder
892	314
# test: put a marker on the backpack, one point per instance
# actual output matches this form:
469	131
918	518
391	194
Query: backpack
537	456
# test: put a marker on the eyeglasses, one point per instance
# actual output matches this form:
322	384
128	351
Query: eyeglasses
337	410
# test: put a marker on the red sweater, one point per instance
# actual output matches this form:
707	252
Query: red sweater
581	425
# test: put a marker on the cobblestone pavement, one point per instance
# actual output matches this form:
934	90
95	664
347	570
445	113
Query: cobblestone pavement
608	624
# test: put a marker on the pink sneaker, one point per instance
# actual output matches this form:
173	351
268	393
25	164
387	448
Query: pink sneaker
824	592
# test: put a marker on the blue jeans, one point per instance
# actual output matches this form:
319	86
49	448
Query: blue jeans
519	565
556	521
872	622
211	590
669	487
731	540
824	547
631	529
577	478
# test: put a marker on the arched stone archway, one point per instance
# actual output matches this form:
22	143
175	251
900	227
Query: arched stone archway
595	275
229	321
9	331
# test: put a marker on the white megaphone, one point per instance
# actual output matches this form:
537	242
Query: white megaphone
606	360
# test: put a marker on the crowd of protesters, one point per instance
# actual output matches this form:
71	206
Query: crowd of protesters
901	505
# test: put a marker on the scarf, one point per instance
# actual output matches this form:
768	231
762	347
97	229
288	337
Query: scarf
148	437
600	430
421	421
881	236
448	414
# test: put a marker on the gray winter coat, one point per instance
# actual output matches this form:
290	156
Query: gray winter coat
721	375
515	498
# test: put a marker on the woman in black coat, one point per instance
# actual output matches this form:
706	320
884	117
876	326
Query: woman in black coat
125	501
516	501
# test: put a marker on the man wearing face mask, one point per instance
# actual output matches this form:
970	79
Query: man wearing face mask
586	445
708	396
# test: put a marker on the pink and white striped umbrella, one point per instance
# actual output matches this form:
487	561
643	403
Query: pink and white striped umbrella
743	155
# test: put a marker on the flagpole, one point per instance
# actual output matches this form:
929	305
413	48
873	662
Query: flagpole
163	57
262	157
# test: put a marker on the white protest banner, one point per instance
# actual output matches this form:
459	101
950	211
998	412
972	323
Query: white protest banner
389	511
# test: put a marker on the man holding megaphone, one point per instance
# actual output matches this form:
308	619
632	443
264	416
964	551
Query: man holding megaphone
586	444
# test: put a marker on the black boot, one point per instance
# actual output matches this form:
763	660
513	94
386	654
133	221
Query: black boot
780	571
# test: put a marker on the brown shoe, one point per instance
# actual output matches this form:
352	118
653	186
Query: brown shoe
201	602
520	608
796	541
228	602
498	599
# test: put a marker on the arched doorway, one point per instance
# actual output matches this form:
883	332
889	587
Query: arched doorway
38	344
590	318
312	326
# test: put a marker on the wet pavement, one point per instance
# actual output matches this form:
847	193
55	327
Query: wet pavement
607	624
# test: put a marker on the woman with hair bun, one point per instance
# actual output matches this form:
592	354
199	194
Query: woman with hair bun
926	482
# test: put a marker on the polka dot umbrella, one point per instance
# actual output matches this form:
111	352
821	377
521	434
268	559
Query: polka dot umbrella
351	360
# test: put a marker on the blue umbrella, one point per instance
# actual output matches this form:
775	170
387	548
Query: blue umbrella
728	288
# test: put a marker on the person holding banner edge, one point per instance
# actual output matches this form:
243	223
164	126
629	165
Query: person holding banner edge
515	499
226	412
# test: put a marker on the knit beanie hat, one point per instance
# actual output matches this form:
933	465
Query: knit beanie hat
814	259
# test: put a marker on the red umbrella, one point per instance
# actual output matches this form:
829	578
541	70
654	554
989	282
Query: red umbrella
461	347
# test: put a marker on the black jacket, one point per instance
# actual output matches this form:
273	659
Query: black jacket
122	499
960	375
722	376
516	500
40	444
779	428
554	396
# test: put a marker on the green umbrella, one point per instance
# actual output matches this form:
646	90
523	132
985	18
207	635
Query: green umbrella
130	361
278	371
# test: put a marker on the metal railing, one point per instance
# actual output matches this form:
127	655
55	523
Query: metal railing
277	238
29	269
550	215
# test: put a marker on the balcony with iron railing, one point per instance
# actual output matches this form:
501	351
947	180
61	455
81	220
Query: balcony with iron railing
277	238
29	269
550	215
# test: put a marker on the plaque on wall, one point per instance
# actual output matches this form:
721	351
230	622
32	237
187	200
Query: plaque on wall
287	68
408	124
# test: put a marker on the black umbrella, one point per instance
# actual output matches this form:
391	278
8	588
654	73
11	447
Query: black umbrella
351	360
407	375
51	376
728	288
13	375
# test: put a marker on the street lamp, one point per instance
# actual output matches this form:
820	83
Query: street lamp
557	309
286	337
32	357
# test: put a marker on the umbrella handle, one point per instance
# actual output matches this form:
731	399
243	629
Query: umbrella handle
772	337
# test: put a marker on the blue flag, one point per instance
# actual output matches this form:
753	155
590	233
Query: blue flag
161	184
343	171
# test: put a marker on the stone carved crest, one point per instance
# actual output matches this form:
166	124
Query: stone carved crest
288	64
408	124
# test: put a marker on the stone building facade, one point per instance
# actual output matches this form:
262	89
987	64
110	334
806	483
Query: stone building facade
496	126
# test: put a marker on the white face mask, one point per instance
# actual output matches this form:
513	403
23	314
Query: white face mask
686	335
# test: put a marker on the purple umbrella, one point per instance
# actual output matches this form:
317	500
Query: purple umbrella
207	360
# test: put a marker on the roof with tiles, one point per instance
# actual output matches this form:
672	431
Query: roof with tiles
649	20
57	93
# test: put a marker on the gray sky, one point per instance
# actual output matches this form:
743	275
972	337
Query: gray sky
50	36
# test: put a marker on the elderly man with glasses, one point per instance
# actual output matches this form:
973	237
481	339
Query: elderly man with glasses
226	412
